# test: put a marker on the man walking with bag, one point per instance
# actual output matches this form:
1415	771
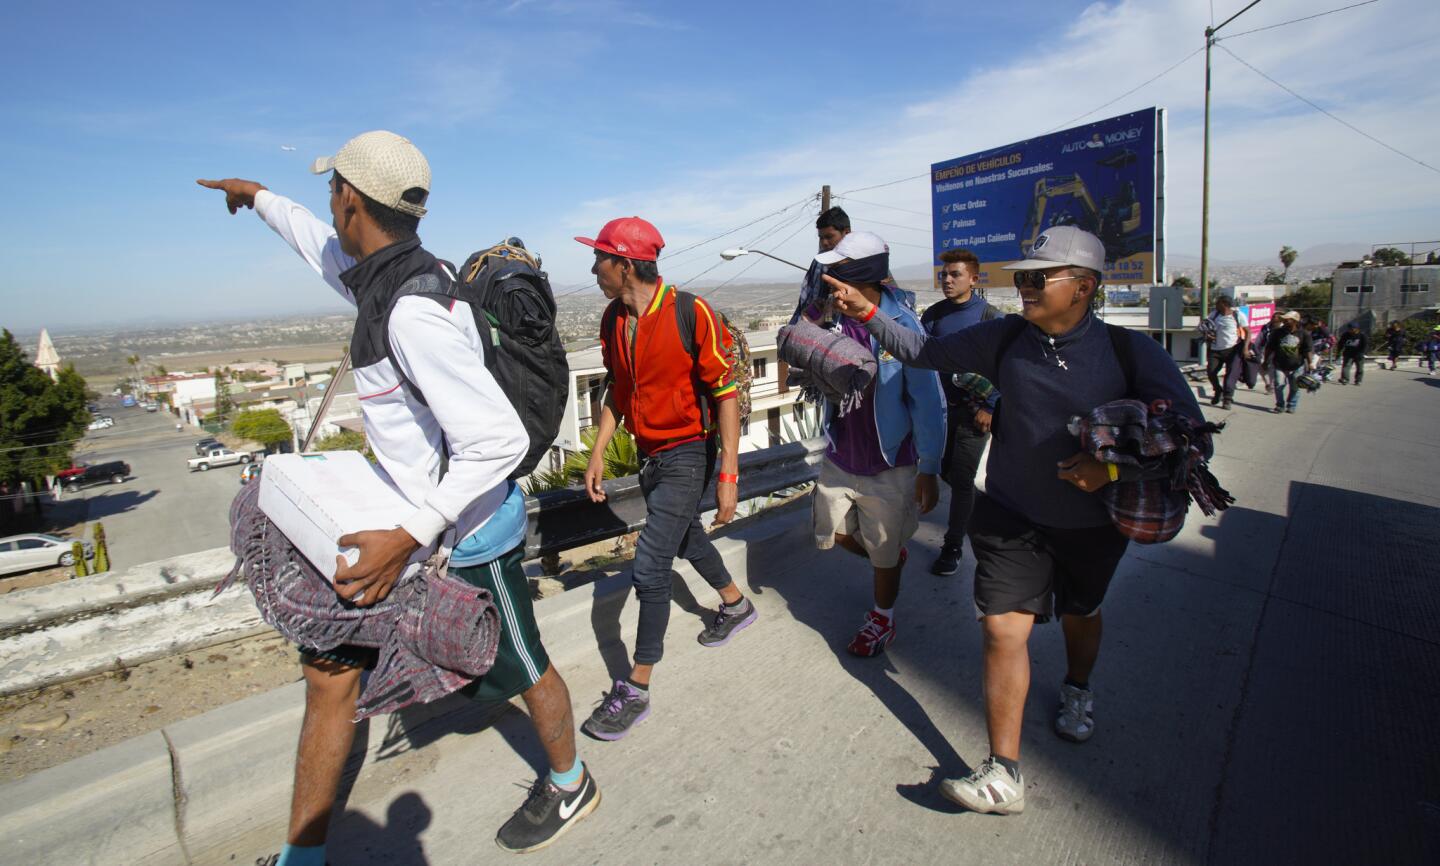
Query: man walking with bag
1044	544
1227	351
405	344
655	376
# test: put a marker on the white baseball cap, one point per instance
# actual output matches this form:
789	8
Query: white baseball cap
383	166
1058	246
854	246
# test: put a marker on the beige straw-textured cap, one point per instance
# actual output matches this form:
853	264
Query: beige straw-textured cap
383	166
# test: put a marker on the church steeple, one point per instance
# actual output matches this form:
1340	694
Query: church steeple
46	358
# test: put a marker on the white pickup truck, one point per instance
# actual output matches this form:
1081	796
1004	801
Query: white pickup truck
217	457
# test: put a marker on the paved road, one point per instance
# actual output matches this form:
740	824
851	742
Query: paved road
1267	694
164	509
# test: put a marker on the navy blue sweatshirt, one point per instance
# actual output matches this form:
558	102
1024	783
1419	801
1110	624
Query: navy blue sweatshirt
1045	382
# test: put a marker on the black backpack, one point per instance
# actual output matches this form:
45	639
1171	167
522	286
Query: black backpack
514	309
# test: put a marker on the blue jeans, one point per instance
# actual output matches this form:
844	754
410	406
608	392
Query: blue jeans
672	482
1283	381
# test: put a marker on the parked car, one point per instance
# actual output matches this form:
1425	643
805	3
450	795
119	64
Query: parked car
115	472
101	423
218	457
152	407
206	445
250	473
38	550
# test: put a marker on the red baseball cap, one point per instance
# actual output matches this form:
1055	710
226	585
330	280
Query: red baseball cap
630	237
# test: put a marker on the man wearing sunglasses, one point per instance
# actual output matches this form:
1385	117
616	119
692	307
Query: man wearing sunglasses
1044	544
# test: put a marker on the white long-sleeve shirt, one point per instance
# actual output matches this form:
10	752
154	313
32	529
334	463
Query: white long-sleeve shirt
440	351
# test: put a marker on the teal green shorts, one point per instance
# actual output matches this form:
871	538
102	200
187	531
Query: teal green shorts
520	660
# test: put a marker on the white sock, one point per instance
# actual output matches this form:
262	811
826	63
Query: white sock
887	612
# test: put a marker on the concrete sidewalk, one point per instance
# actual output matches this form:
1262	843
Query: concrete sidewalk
1267	694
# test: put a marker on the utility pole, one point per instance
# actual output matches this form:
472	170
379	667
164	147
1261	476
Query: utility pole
1205	182
824	198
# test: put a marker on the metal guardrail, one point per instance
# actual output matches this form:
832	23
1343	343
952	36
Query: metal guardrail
562	519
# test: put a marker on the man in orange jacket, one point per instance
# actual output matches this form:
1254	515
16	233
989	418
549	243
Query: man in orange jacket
661	347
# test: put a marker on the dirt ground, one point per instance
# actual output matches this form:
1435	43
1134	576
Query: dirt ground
43	577
55	724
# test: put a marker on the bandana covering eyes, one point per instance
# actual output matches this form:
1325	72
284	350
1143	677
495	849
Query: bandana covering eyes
871	269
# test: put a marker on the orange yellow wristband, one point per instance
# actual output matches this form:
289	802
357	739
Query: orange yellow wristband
1113	470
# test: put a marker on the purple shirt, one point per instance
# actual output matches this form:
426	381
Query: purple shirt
854	442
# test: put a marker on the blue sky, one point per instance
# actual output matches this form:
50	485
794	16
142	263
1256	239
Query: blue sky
544	118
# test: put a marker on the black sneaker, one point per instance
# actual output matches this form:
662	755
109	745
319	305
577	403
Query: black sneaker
724	626
548	812
1214	399
1226	404
948	562
620	710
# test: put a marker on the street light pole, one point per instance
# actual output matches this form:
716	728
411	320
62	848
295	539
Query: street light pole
1205	181
731	255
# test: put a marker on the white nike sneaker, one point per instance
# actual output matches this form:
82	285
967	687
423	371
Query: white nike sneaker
990	788
1074	721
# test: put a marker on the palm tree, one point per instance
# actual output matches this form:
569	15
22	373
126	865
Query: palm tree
1287	258
134	362
622	458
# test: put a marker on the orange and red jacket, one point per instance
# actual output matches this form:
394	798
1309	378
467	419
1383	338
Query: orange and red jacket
652	381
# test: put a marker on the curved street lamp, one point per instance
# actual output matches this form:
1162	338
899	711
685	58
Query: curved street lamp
732	255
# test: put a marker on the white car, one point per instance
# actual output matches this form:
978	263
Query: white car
38	550
218	457
101	422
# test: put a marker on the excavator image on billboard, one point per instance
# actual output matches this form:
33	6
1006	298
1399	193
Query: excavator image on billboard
1064	200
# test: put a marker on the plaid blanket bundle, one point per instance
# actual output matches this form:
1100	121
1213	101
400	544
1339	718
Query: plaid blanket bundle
435	633
826	364
1163	443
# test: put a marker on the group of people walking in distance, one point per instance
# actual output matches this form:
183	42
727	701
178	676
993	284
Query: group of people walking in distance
947	383
1294	352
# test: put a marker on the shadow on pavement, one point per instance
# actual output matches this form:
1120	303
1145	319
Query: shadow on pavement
828	600
1337	720
605	612
356	838
106	505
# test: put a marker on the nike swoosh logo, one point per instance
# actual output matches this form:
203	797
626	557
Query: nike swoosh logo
568	809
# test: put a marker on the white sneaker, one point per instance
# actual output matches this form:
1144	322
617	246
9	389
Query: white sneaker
1074	721
990	788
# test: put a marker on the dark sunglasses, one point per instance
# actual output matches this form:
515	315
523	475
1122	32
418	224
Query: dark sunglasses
1038	279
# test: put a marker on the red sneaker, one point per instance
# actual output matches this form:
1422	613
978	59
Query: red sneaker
874	635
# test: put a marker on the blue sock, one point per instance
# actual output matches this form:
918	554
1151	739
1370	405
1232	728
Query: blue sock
302	855
570	779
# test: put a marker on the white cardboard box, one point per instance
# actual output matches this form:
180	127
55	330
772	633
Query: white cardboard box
317	498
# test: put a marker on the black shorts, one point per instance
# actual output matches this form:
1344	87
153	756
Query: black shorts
1044	570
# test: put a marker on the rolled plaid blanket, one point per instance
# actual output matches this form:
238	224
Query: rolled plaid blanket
835	366
1169	448
435	633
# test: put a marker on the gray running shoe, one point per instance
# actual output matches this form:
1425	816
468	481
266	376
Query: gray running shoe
724	626
619	711
1074	720
547	813
990	788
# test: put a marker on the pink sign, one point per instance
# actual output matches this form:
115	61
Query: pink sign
1259	314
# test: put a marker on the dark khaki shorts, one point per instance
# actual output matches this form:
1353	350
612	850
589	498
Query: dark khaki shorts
1044	570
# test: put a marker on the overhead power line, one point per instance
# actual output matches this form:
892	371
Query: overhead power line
1295	21
885	184
1330	114
739	227
1138	87
886	206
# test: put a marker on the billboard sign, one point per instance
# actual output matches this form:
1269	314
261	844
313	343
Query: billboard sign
1106	177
